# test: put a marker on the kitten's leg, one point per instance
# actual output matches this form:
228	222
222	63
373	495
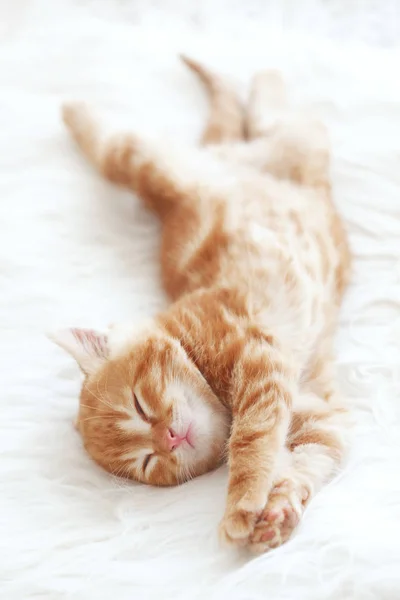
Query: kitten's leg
294	146
267	104
261	413
155	174
226	118
295	150
316	444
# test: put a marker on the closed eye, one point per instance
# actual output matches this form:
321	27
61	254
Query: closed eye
139	409
146	462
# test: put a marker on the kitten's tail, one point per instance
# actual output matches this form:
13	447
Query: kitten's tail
226	120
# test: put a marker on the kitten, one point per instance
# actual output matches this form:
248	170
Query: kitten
240	366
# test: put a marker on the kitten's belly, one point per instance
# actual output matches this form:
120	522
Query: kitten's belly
291	295
280	247
264	236
286	249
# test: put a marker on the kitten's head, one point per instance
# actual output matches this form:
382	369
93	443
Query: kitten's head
145	412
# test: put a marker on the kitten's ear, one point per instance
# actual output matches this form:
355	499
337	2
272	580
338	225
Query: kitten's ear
88	347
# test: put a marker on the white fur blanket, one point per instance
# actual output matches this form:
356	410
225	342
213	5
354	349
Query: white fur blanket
75	250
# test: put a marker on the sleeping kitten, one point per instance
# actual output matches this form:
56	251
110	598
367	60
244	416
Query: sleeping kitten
256	261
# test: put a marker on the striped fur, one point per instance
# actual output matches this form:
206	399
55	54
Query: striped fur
256	260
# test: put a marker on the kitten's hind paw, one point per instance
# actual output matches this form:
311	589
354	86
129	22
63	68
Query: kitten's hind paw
75	115
79	121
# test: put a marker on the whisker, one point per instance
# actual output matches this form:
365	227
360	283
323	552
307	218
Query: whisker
107	418
93	408
185	474
99	398
122	471
102	395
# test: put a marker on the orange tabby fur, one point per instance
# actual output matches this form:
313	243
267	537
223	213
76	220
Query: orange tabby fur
256	259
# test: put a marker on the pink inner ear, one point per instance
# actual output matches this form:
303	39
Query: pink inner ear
93	341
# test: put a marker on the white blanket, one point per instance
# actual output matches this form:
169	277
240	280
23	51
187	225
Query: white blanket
75	250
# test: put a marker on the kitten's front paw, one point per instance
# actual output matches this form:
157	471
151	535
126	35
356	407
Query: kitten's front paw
236	527
240	519
279	518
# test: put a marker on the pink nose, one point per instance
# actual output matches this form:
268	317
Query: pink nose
173	440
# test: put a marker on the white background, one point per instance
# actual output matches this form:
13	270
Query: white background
75	250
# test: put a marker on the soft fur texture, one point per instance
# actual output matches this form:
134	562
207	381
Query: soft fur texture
85	252
256	258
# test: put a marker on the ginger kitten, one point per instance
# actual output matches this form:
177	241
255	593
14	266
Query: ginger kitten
255	258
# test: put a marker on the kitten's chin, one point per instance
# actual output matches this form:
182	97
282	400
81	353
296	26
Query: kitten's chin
205	451
206	423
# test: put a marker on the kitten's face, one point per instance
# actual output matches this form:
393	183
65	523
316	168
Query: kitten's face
145	411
